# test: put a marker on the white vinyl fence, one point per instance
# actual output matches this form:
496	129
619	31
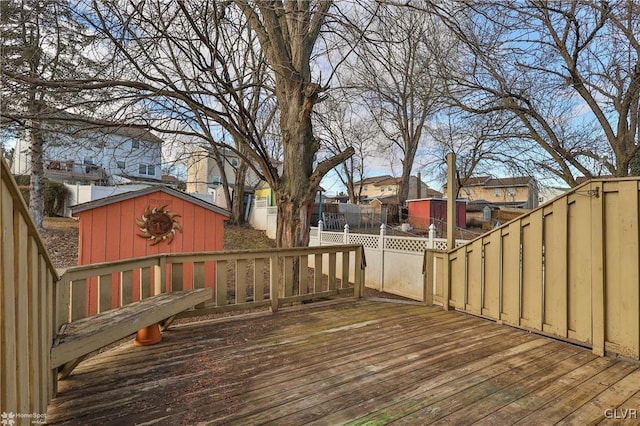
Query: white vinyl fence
264	217
394	264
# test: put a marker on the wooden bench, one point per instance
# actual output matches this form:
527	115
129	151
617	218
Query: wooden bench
77	339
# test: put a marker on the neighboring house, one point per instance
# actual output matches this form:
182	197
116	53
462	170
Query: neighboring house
387	186
75	152
520	192
549	193
205	177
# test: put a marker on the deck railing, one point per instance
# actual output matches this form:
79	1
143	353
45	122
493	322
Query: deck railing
569	268
26	310
240	279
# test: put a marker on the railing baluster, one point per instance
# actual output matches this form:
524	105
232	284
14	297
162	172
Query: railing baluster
241	281
104	292
317	277
126	287
177	277
221	283
345	270
303	274
145	283
287	289
78	299
332	271
258	279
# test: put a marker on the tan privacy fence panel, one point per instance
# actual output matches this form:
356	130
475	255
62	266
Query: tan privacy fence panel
568	269
26	310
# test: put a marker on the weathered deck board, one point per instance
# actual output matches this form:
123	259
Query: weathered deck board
347	362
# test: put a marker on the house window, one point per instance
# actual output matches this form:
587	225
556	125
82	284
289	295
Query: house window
88	160
120	164
511	191
497	192
366	187
382	189
147	169
234	162
135	144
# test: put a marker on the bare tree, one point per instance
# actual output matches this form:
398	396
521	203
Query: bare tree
341	125
39	41
559	68
396	73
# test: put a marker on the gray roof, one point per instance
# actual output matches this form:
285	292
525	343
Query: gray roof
145	191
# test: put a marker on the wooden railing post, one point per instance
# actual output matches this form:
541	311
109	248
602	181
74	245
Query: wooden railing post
62	302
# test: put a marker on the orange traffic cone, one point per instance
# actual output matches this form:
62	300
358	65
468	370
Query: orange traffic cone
148	336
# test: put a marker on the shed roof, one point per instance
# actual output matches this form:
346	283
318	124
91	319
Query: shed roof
145	191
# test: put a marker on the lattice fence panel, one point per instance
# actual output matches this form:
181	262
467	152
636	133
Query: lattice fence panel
368	241
333	237
440	245
406	244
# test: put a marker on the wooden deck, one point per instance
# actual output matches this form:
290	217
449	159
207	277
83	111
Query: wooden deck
361	362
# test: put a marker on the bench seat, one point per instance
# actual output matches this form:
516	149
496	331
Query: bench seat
77	339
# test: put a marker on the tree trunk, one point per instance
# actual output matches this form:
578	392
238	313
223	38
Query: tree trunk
237	206
296	190
36	191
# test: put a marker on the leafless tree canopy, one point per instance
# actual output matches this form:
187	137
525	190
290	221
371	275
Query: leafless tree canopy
568	71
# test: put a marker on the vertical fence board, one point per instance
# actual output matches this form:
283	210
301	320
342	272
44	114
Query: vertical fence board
457	278
34	303
531	297
8	378
511	241
579	276
473	302
22	315
491	270
621	267
555	278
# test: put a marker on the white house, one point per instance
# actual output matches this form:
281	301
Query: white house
76	152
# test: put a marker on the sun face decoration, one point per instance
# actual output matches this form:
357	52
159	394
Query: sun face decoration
158	224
